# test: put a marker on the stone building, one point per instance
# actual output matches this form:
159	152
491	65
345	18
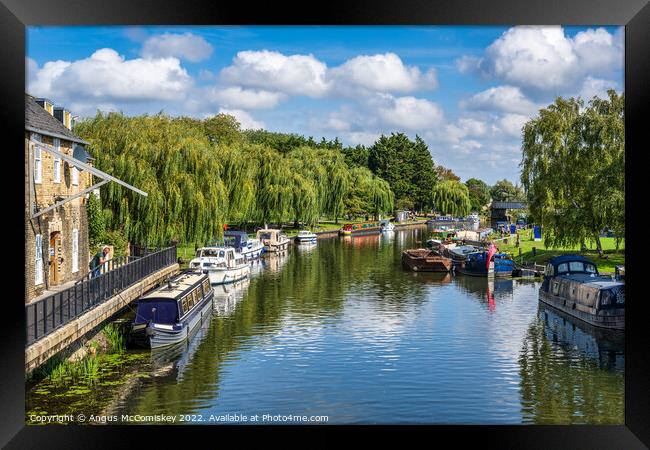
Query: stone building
56	241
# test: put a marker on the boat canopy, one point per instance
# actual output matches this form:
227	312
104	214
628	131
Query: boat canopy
569	264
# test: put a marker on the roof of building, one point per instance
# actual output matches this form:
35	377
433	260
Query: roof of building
37	119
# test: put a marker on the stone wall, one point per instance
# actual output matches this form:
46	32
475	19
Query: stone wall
63	219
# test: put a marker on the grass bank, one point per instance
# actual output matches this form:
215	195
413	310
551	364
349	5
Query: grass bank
611	259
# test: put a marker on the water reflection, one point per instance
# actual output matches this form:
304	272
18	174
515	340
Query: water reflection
571	372
342	330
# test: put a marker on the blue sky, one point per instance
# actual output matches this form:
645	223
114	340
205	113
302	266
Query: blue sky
465	90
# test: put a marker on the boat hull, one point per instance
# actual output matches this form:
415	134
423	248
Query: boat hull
253	253
422	262
612	318
229	275
275	248
306	240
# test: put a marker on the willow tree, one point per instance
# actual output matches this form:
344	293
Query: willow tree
573	169
169	159
368	194
451	197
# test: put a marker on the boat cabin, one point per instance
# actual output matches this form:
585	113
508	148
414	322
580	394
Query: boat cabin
172	302
236	239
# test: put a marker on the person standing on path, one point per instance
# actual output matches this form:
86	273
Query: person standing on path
98	260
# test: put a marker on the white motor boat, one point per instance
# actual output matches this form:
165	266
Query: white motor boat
387	225
222	264
274	240
249	248
306	237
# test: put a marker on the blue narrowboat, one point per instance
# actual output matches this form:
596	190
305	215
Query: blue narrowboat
169	314
475	265
573	285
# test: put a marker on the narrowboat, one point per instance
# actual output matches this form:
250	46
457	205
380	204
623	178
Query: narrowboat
425	260
475	264
239	240
222	264
169	314
386	225
273	240
306	237
355	229
573	285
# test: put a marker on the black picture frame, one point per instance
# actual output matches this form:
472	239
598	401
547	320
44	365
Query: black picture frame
15	15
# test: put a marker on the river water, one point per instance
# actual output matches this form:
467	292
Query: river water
341	330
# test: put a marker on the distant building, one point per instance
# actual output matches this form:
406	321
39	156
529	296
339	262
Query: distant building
56	241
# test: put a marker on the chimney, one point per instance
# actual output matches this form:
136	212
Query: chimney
46	104
63	116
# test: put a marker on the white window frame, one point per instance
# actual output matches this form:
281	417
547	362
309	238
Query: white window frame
38	160
57	161
75	250
38	260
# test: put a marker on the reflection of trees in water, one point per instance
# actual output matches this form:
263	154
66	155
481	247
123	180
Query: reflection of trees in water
561	383
313	285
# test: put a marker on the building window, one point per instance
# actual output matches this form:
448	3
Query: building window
75	250
38	260
38	161
57	161
75	176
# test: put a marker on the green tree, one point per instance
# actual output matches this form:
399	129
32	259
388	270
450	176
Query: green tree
479	193
451	197
445	174
223	128
406	165
505	191
573	169
96	222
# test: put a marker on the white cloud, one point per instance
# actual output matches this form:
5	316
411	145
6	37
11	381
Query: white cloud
511	124
273	71
236	97
245	119
544	59
184	46
408	113
502	98
106	77
596	87
360	138
380	73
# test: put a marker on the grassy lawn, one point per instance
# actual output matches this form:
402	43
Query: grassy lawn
607	264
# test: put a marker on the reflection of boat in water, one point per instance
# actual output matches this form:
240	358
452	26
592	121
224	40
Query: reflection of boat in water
273	262
606	346
432	277
227	297
573	285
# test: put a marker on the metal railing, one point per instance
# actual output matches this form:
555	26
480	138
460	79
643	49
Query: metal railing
52	312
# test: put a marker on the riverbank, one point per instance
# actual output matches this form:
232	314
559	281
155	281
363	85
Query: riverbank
542	255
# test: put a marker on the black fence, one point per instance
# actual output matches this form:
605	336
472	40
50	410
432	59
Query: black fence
47	314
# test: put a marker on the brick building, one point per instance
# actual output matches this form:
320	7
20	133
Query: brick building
56	241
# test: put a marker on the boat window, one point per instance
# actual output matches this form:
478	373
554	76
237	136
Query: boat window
221	254
563	268
164	311
185	306
206	286
590	268
576	266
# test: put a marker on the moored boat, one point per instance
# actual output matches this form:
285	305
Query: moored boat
222	264
386	225
486	263
306	237
239	240
169	314
425	260
274	240
361	228
573	285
